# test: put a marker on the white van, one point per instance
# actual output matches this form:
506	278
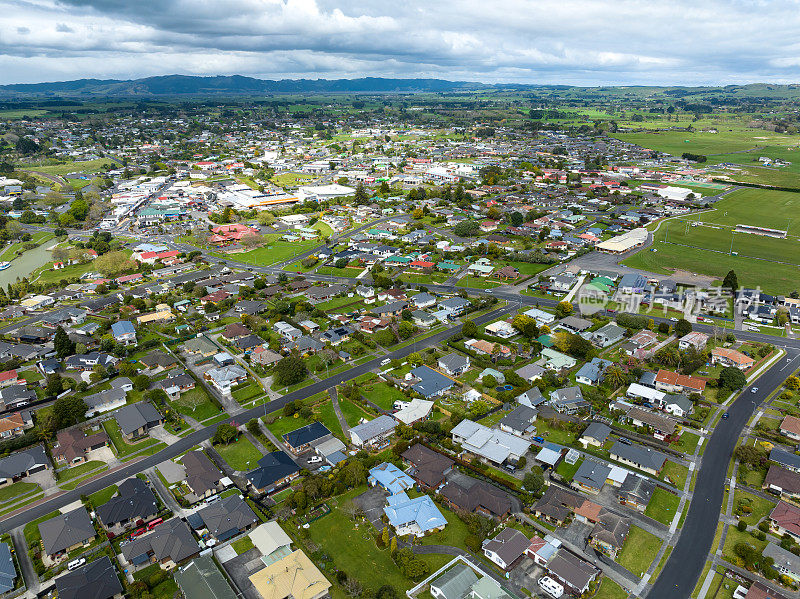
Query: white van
386	362
551	587
76	563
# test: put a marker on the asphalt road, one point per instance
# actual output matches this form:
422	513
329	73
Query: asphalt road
686	562
198	436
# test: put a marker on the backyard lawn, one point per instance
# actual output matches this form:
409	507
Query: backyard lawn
352	548
242	545
676	472
353	413
164	590
382	395
639	550
662	506
241	454
284	424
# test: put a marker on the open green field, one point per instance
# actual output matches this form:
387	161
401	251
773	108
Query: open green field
277	251
639	550
705	248
87	166
240	455
195	404
291	179
662	506
21	113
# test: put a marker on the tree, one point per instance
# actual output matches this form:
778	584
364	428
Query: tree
13	229
63	345
516	218
732	378
466	228
290	370
54	385
614	376
393	545
564	309
526	326
730	281
68	410
114	263
141	382
793	382
469	329
361	196
683	327
405	329
225	434
252	240
534	481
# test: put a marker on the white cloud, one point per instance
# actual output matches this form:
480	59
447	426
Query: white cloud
531	41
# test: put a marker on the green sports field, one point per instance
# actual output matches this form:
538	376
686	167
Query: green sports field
704	248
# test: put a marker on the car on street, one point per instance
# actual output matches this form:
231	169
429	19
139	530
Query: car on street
725	416
753	389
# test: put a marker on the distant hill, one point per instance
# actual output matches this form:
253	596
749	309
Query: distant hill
176	85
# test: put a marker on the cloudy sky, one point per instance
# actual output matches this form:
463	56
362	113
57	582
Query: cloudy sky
579	42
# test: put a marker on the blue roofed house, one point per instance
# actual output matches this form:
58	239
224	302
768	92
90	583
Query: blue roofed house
592	372
391	478
431	383
123	332
8	572
413	516
632	283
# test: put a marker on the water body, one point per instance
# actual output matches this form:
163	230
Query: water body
24	265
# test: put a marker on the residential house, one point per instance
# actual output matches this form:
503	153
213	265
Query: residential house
428	468
694	339
373	433
608	335
225	518
790	427
672	382
637	456
784	561
476	496
731	357
519	421
416	516
133	503
429	382
783	482
20	464
785	519
507	548
596	434
66	532
568	400
454	364
390	478
636	492
574	573
493	446
12	425
136	419
592	373
293	575
123	332
73	444
167	545
201	579
301	439
201	475
97	579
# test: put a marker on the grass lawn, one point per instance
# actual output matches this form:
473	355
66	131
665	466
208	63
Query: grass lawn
754	478
761	507
86	166
102	496
568	470
639	550
382	395
354	550
17	490
31	529
662	506
477	282
276	251
347	271
353	413
239	453
68	272
242	545
735	537
610	590
687	443
661	564
164	590
79	470
676	472
453	534
123	448
328	417
553	435
247	393
710	245
195	404
284	424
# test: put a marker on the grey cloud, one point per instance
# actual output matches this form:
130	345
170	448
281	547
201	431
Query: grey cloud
63	28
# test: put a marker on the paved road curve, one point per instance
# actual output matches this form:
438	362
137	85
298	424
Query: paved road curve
196	437
686	562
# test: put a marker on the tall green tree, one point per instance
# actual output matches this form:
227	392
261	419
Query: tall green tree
730	281
63	345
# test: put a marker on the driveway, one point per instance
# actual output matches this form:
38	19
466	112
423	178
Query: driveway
45	480
371	503
160	433
241	568
525	575
576	533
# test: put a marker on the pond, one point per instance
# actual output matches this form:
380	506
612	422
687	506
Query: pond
24	265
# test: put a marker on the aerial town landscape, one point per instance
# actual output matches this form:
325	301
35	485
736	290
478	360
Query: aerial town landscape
377	337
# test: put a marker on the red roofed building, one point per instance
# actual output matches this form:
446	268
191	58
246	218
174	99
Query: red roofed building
421	265
152	257
672	382
785	518
233	233
9	377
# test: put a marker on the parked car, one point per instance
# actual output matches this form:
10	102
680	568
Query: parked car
314	459
76	563
725	416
